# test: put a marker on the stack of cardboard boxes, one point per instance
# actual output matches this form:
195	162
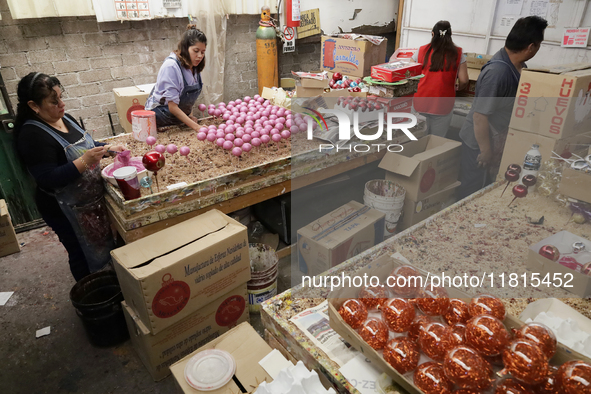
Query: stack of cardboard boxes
183	287
8	242
474	61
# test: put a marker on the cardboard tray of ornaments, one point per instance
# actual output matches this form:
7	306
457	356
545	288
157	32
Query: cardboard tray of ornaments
479	234
210	175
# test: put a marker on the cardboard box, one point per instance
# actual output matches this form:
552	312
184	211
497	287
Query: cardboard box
8	242
396	71
476	60
424	167
351	57
158	352
247	348
308	92
576	184
403	54
580	284
470	90
519	142
414	212
381	268
129	99
314	83
167	276
338	236
554	102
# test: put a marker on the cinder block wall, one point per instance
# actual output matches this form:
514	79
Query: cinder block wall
305	58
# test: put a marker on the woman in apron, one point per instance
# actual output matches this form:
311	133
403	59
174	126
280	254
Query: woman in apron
64	160
179	83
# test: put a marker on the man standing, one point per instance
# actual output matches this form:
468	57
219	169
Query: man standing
485	130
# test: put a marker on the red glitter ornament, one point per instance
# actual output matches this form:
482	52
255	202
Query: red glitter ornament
458	333
398	314
465	391
467	369
433	300
353	313
512	386
541	335
574	377
436	340
418	325
375	333
403	281
487	335
550	383
373	296
550	252
526	362
402	354
430	379
458	312
486	304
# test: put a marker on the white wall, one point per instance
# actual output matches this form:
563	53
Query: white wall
476	26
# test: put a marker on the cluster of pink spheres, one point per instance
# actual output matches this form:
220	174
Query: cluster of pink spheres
250	123
170	148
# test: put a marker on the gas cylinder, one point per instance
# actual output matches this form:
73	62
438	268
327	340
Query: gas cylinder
267	72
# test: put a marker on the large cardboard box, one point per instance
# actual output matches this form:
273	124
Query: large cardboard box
8	242
351	57
576	184
308	92
476	60
247	348
414	212
470	90
158	352
396	71
424	167
338	236
167	276
519	142
129	99
557	274
554	102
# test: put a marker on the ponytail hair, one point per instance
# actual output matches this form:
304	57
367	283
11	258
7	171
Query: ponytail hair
34	87
442	50
190	37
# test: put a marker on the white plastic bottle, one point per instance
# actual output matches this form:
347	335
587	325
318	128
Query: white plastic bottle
531	162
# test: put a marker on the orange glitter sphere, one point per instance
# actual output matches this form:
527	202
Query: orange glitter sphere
353	312
398	313
487	335
375	333
418	325
486	304
373	296
402	354
541	335
512	386
457	312
433	301
436	340
467	369
550	383
458	332
575	377
403	281
430	379
526	362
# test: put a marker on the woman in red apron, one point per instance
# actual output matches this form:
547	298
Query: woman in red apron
64	160
443	65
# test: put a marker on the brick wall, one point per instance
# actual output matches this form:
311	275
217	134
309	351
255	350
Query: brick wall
305	58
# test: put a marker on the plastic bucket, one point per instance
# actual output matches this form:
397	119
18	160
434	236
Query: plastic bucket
263	272
97	299
386	197
143	125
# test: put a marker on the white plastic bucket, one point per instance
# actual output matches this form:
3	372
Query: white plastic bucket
264	271
143	125
387	197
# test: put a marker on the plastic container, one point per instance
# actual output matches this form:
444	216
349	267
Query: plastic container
531	162
109	178
97	299
143	125
263	272
128	182
387	197
210	369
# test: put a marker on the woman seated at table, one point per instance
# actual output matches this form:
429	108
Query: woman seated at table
179	83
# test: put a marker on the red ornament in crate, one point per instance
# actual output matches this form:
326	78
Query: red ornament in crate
540	335
486	304
436	340
402	354
467	369
403	282
373	296
417	326
430	379
487	335
574	377
526	362
398	314
353	312
550	252
458	312
433	300
375	333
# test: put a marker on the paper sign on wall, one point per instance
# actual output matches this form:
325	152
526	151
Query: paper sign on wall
575	37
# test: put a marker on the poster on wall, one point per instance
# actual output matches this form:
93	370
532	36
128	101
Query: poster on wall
575	37
135	9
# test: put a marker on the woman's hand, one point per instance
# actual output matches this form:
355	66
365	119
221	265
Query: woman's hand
115	148
194	119
90	158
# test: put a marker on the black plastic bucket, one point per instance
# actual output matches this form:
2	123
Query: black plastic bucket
97	299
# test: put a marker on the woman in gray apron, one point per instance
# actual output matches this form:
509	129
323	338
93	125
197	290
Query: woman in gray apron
179	83
64	160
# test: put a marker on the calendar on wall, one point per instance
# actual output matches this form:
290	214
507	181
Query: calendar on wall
132	9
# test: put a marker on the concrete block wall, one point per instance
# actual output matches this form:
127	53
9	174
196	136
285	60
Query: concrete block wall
305	58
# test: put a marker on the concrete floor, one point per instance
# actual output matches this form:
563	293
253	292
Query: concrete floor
64	361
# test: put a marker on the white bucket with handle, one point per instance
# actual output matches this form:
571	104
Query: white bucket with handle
387	197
